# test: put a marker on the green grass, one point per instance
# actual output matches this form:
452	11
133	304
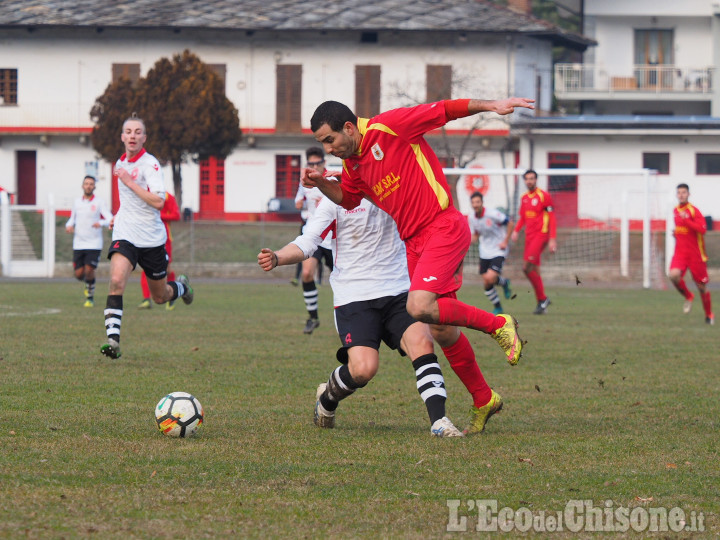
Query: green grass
615	398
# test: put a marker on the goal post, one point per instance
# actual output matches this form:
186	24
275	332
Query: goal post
604	205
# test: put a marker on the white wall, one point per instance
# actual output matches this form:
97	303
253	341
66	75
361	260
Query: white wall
61	73
600	196
649	7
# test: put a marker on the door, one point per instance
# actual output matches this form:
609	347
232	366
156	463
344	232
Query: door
212	188
563	189
26	176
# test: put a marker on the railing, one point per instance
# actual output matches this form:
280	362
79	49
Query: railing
578	78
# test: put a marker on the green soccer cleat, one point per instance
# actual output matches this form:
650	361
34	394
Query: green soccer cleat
145	304
480	415
497	311
507	337
323	418
506	289
111	349
189	294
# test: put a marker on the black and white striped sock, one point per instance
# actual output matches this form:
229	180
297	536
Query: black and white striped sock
90	286
310	293
339	386
492	295
431	385
501	281
113	316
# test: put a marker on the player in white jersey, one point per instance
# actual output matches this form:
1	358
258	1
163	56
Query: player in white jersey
493	228
370	283
310	198
138	233
88	216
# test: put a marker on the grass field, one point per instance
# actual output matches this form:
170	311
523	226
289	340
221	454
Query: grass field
615	399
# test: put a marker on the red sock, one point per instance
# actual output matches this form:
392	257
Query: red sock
144	285
537	283
171	276
680	285
707	305
455	313
461	357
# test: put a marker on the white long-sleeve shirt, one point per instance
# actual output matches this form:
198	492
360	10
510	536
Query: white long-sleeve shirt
85	213
369	257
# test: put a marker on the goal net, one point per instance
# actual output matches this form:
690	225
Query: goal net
611	223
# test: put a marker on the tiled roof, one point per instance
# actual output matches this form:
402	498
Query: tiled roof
298	15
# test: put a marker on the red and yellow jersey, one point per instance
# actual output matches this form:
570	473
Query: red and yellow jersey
396	168
690	228
536	214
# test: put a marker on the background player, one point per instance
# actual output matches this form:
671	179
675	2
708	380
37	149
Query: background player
370	284
87	218
138	233
690	228
310	198
387	159
493	229
170	212
538	217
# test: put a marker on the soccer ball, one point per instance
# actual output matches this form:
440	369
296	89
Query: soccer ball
179	414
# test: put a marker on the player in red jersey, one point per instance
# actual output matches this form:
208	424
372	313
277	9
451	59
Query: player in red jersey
538	218
386	159
170	212
690	228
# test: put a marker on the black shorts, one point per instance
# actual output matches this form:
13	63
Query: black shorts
86	257
153	261
369	322
492	264
324	254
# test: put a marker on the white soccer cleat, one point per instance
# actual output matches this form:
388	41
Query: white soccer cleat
687	306
445	428
323	418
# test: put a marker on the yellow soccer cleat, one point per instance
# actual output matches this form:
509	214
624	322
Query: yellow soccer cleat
89	303
480	415
145	304
508	338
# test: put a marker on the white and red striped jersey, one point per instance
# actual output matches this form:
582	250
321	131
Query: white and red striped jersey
86	213
369	257
136	221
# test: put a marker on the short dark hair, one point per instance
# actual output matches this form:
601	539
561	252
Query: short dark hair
530	171
315	151
683	186
477	194
332	113
91	177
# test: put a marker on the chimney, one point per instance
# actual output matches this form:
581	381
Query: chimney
521	6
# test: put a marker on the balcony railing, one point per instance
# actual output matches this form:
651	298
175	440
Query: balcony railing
573	79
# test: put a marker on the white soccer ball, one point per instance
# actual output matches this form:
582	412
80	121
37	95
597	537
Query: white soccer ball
179	414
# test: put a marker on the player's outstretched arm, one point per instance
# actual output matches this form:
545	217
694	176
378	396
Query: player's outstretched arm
269	259
500	106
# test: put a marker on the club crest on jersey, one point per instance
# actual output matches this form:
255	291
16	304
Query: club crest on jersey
377	152
534	202
134	174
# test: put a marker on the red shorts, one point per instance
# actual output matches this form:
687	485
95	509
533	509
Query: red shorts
168	248
534	246
698	268
435	255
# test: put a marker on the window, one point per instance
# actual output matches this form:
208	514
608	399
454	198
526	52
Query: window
438	82
660	161
288	98
8	86
653	49
707	163
367	91
287	175
126	71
